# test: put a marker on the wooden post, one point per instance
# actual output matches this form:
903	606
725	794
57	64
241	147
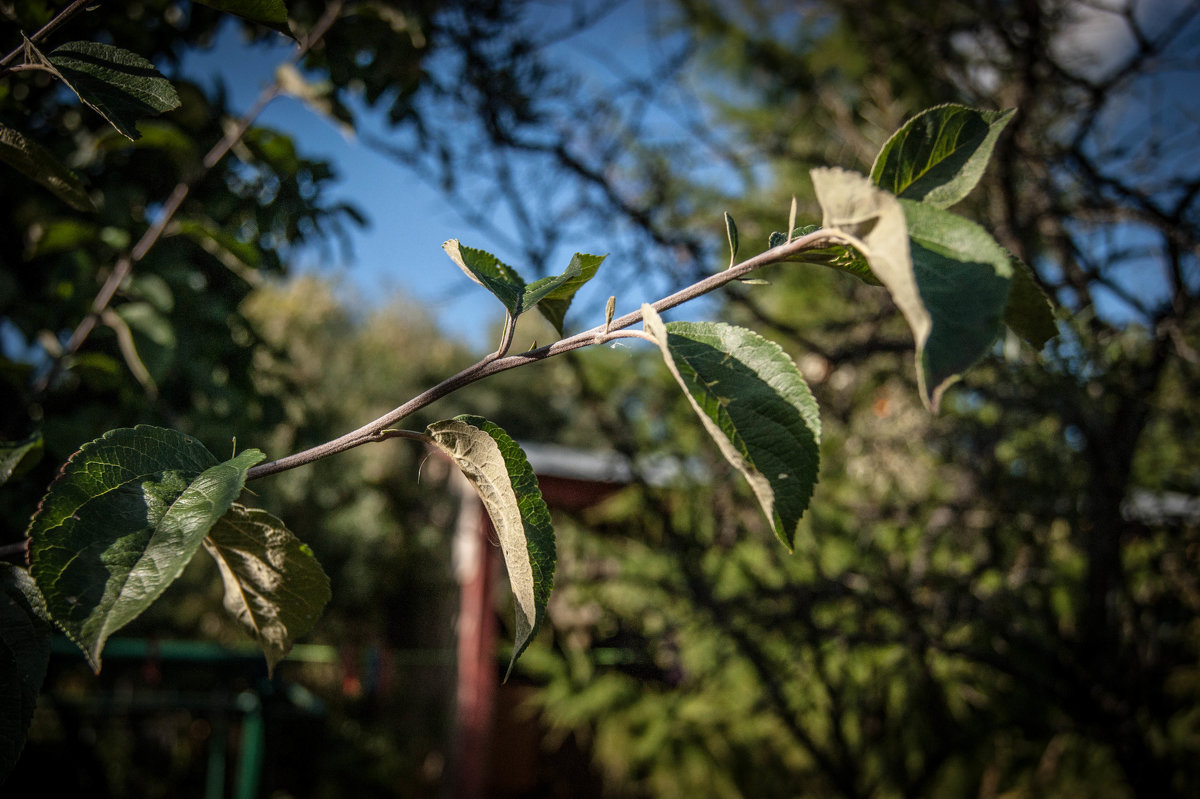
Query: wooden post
475	566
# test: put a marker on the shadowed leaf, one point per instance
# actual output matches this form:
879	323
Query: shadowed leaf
872	222
36	163
274	586
24	653
836	256
271	13
964	278
119	85
1029	312
17	456
119	524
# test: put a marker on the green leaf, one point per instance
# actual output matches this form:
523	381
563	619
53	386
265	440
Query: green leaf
121	86
53	236
490	272
271	13
237	256
964	278
951	281
274	585
837	256
119	524
24	653
1029	312
146	340
36	163
755	404
505	482
542	288
157	134
154	290
16	457
507	285
939	155
98	370
554	304
872	222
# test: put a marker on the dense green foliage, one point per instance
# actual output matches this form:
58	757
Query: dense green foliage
995	601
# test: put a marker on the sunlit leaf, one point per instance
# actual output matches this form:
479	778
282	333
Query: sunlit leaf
542	288
121	86
24	653
119	524
755	404
872	222
552	293
36	163
555	303
490	272
274	586
939	155
506	484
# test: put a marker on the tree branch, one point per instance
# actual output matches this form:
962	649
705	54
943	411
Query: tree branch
496	362
46	30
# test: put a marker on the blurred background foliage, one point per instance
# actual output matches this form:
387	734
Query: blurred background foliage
1003	600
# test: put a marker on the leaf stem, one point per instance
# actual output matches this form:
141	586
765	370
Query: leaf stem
506	338
412	435
498	362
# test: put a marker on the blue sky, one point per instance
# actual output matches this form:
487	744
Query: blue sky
400	252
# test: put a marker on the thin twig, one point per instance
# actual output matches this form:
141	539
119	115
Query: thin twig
492	364
47	29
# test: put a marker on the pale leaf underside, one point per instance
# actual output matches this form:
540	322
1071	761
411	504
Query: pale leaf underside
505	482
754	403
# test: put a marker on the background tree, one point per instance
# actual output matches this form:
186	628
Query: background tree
997	599
900	686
